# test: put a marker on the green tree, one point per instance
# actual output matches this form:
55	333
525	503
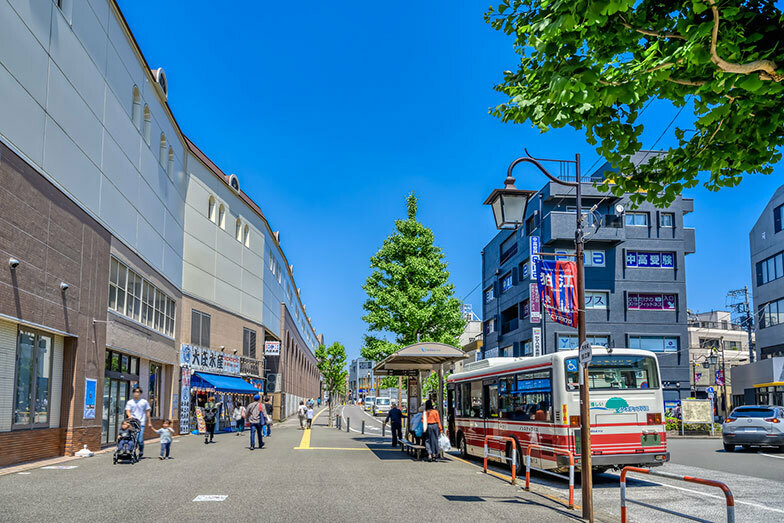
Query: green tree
331	362
594	65
410	298
431	384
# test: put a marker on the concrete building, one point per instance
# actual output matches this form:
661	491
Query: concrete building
131	244
714	334
635	278
762	382
471	338
361	381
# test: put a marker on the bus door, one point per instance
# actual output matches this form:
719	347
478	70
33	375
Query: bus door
492	419
450	413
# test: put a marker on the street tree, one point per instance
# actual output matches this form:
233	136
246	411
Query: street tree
595	65
331	362
410	298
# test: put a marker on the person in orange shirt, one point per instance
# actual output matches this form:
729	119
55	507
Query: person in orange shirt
432	421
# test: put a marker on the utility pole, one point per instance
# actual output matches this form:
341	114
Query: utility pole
744	307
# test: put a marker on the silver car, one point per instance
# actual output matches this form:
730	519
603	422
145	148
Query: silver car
758	425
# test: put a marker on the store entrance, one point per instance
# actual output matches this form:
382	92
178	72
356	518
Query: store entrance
121	373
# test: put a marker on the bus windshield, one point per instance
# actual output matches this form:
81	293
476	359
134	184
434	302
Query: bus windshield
613	372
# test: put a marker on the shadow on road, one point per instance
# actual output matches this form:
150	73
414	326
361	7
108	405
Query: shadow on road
512	500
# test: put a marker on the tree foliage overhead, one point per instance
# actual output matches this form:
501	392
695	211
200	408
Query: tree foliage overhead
409	294
594	65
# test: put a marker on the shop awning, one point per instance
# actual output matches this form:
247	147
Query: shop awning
224	383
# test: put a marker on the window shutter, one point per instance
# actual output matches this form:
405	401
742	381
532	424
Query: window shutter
252	343
205	331
195	328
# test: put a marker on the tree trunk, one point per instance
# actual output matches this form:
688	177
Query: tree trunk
330	410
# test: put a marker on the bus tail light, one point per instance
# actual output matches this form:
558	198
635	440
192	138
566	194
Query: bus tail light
574	421
654	419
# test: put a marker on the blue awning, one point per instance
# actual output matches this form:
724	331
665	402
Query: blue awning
224	383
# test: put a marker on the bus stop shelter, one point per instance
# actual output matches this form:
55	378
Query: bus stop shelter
412	361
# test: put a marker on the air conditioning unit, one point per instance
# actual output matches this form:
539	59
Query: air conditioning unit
160	81
273	383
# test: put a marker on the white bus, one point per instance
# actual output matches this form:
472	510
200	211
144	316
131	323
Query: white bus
536	400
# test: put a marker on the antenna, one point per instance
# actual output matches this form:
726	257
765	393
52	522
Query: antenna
738	301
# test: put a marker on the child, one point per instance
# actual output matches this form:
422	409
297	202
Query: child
310	415
124	437
166	438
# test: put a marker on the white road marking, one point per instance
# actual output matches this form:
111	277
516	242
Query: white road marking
61	467
210	497
770	455
23	473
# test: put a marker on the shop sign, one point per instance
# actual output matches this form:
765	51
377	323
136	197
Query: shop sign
208	360
557	290
272	348
651	302
537	340
533	248
536	311
89	398
663	260
185	400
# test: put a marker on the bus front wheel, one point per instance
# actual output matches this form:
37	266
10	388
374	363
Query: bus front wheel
463	446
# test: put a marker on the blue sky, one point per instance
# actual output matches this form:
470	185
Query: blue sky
331	112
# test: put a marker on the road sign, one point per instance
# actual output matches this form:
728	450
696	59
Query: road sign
585	353
710	390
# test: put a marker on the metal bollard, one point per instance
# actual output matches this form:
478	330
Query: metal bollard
384	430
348	424
363	426
337	422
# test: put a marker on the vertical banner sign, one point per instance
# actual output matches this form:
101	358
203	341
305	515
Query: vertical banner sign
89	398
537	340
557	290
536	310
185	400
533	248
720	377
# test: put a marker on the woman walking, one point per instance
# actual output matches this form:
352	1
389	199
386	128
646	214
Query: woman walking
432	423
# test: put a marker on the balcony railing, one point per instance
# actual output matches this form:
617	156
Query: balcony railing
722	325
250	366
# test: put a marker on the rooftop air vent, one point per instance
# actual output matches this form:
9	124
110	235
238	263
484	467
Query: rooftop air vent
161	82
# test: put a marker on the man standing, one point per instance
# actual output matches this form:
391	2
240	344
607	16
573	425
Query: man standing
210	411
268	410
254	413
396	417
139	408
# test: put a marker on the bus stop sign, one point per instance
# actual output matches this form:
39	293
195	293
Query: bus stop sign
585	353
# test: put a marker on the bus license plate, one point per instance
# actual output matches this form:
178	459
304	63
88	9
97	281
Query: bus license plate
650	440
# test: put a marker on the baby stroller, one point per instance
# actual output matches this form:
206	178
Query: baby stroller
127	446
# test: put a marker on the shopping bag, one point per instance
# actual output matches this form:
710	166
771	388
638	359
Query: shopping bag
443	442
416	425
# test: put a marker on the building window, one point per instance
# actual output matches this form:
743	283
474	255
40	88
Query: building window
568	342
134	297
147	125
770	269
667	219
154	389
654	343
32	389
222	217
200	328
643	260
651	302
506	282
238	230
637	219
246	236
778	214
509	321
136	109
170	162
162	151
771	314
596	299
525	309
523	269
489	294
489	326
508	252
249	343
530	225
211	209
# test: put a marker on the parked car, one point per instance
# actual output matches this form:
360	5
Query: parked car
382	406
369	402
754	425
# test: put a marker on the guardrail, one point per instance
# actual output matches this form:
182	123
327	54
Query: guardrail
564	452
689	479
503	457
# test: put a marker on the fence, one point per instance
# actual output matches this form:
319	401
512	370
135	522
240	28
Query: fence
503	457
689	479
564	452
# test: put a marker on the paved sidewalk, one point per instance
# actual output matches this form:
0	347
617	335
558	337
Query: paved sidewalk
318	475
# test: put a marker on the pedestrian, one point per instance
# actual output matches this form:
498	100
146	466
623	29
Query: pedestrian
166	433
395	417
432	421
238	415
268	411
310	415
210	413
139	408
302	411
125	438
319	402
255	415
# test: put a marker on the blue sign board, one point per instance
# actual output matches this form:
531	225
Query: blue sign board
533	245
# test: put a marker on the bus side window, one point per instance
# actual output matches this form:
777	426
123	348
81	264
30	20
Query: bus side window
476	400
491	399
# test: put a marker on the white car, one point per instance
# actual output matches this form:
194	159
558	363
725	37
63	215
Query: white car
381	406
754	425
369	402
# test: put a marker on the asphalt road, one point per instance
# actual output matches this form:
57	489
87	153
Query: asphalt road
709	454
318	475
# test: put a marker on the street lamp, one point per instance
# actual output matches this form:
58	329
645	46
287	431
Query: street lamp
509	206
